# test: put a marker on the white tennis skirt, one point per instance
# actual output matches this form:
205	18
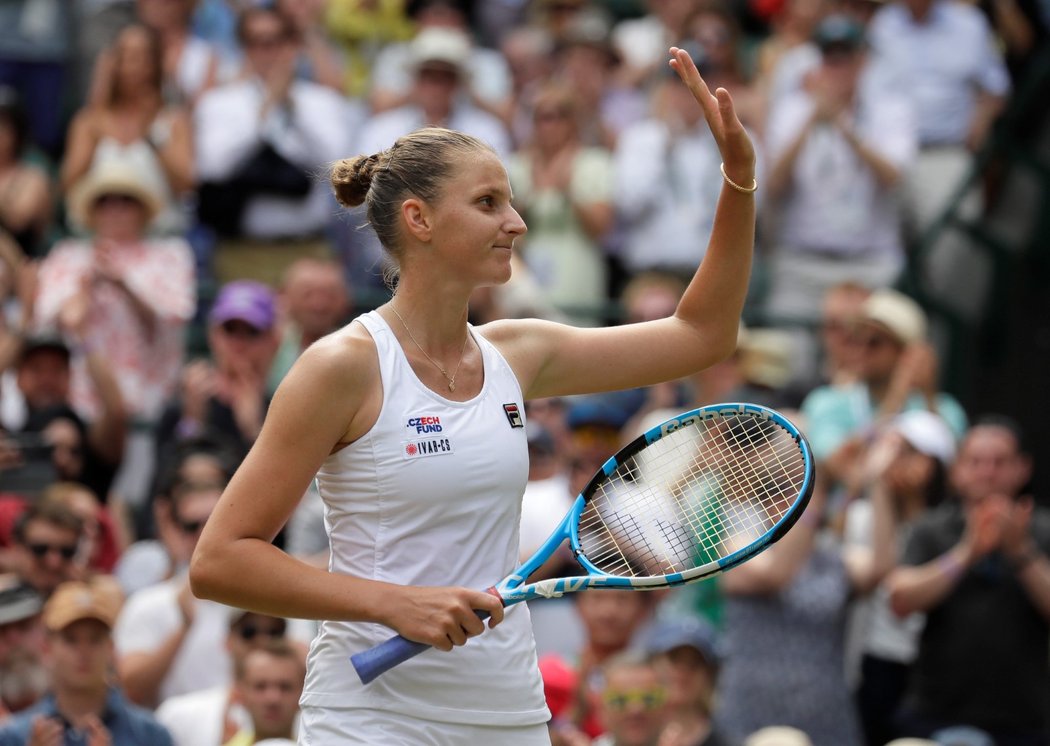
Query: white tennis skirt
323	726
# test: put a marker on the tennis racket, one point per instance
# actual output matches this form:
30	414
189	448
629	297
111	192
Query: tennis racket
690	498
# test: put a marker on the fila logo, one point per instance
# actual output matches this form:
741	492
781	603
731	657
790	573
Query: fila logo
513	415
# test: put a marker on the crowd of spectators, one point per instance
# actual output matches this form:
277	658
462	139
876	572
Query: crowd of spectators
168	248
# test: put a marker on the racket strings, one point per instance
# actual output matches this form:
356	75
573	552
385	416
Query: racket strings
743	520
692	497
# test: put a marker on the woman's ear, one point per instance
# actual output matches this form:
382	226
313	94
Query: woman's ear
418	219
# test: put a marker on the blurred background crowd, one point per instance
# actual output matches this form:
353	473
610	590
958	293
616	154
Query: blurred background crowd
168	247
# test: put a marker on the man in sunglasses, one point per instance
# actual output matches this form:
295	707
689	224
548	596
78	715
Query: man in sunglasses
897	372
633	702
214	715
168	642
46	540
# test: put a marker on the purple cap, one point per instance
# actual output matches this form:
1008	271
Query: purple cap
245	300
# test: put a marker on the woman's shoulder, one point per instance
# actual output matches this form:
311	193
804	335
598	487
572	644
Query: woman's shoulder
505	331
336	377
90	117
347	354
521	342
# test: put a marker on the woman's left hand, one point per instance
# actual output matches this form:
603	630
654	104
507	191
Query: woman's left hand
732	139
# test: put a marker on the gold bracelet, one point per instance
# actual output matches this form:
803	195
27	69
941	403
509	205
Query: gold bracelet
730	182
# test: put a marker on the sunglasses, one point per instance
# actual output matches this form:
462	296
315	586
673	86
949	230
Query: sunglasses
73	451
835	326
648	699
550	115
442	75
68	551
241	329
190	527
875	341
267	41
249	632
577	464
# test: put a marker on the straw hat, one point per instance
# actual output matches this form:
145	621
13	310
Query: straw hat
111	176
896	313
445	46
778	735
766	356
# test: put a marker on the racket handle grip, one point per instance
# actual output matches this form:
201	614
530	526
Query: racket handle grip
370	663
377	660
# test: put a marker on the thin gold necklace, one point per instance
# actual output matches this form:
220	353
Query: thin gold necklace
451	379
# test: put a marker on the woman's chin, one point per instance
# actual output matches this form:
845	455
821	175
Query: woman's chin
503	272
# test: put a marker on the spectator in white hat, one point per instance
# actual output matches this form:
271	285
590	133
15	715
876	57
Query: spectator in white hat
440	67
909	466
897	372
123	295
489	86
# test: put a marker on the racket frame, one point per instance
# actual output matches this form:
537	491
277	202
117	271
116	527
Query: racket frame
512	590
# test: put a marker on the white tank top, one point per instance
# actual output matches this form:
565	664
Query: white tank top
431	495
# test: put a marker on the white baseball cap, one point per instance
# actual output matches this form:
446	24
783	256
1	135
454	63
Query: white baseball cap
927	433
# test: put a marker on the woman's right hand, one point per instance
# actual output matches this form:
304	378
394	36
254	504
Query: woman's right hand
442	617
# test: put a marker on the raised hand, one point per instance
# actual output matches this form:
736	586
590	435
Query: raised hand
734	144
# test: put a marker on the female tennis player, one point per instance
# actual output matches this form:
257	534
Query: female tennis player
412	421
